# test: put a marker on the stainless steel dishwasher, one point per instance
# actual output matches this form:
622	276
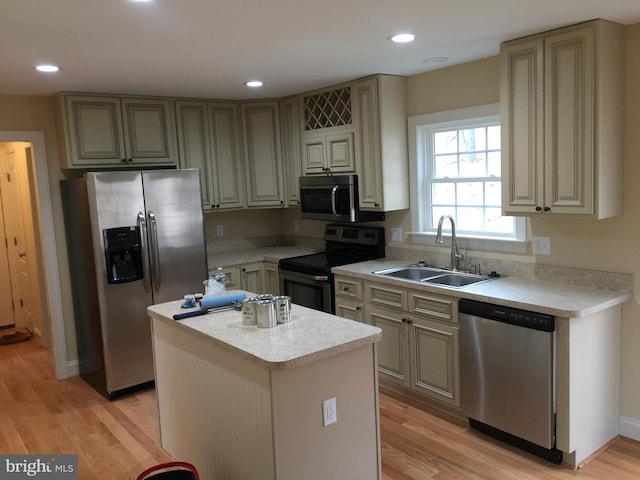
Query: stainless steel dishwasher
507	373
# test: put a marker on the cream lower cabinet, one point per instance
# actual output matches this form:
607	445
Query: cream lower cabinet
257	277
562	115
348	298
419	349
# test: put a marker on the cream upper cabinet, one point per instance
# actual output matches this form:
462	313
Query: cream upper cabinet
291	154
382	165
261	138
108	131
562	110
327	131
208	139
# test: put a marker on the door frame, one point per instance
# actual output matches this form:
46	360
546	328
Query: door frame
52	274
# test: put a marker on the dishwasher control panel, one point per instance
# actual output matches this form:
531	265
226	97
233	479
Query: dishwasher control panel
514	316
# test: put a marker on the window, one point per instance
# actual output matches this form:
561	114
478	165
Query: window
455	161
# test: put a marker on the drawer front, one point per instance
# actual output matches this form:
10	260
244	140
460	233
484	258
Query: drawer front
387	296
442	308
348	288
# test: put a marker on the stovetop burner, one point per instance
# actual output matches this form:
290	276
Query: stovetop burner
345	244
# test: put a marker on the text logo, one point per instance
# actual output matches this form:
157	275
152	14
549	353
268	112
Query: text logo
50	467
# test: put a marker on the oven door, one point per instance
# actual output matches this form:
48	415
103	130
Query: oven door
313	291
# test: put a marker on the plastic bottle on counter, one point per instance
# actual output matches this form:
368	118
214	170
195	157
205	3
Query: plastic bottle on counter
215	284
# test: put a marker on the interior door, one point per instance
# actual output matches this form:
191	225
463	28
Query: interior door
6	302
17	248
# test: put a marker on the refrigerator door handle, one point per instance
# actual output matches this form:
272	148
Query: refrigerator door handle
146	273
155	254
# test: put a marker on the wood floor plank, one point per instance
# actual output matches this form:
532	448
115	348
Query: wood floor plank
119	439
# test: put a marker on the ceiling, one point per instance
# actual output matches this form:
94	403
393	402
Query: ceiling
208	49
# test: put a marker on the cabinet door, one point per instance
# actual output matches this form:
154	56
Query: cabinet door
228	171
434	351
149	131
340	153
367	120
261	134
350	309
193	140
271	278
94	133
314	154
291	154
569	121
252	277
522	112
232	278
392	351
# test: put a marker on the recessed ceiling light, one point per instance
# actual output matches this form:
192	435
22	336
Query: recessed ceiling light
435	60
403	37
254	83
47	68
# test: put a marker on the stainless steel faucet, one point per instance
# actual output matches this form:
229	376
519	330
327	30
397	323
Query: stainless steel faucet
456	256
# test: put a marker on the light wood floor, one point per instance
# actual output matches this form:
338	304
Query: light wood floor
118	440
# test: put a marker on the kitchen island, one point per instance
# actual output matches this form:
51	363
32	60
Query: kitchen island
246	402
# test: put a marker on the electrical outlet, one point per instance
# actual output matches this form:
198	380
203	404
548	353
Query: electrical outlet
329	413
396	234
220	230
296	225
541	245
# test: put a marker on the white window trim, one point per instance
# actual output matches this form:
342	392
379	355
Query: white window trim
518	245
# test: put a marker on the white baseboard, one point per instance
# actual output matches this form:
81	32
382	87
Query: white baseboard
73	368
630	427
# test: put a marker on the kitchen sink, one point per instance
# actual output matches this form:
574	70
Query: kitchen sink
457	279
411	272
435	276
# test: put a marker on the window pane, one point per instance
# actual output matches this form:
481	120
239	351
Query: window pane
443	194
473	165
472	139
445	142
446	166
493	164
470	193
492	194
470	219
493	138
499	224
437	212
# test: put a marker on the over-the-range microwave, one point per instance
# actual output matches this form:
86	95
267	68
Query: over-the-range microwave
333	198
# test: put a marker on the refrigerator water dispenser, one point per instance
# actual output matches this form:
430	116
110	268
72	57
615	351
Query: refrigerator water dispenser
123	254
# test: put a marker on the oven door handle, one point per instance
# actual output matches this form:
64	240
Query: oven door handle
333	200
306	276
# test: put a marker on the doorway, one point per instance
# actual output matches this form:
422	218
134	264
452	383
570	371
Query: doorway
48	297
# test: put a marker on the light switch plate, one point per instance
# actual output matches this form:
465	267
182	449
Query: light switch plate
220	230
396	234
541	245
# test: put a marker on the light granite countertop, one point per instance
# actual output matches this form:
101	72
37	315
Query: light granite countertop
553	298
310	336
227	258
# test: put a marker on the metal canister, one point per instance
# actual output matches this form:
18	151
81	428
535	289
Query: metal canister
266	315
249	316
264	296
283	307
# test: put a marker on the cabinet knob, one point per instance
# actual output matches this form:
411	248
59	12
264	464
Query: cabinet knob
358	308
547	209
538	209
124	160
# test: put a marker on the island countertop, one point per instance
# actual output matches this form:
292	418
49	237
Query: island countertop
311	335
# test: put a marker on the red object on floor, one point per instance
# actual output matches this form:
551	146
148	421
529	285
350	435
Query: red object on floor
173	471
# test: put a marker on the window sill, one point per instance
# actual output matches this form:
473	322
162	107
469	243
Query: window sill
500	245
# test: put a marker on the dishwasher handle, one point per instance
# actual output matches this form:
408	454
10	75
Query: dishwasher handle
510	315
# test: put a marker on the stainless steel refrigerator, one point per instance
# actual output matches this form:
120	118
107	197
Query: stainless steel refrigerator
134	238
